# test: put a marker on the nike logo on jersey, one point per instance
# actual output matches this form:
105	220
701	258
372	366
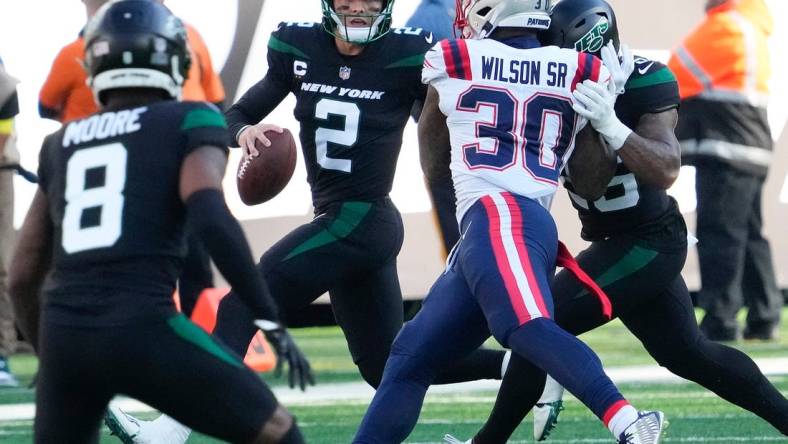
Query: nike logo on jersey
429	38
645	68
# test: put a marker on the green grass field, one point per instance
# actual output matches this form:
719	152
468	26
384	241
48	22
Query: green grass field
695	414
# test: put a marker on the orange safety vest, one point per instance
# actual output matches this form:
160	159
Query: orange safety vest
726	58
66	90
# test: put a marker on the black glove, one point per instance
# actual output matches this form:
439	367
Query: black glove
287	350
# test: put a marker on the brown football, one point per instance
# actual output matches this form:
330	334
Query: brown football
261	178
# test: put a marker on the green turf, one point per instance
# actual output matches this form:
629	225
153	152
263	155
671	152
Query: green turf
695	414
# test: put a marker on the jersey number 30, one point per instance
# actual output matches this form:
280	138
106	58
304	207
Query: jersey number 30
106	199
541	126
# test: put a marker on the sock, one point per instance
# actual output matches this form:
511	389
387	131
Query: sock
553	391
621	415
505	363
521	386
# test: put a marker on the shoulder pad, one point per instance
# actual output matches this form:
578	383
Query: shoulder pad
419	37
645	66
293	30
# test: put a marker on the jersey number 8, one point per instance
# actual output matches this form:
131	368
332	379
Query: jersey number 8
106	199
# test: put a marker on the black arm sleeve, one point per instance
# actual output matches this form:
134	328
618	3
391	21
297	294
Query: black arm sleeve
210	219
255	104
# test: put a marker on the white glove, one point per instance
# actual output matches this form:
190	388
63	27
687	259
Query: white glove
620	70
596	102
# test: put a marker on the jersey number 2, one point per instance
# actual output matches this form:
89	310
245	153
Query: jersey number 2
543	132
346	137
107	199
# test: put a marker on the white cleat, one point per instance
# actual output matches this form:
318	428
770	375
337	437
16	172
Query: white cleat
647	429
545	418
547	409
124	426
448	439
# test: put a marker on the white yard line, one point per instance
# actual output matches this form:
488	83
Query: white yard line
359	392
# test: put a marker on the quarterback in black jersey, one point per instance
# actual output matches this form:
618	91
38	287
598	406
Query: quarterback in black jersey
107	220
638	247
355	80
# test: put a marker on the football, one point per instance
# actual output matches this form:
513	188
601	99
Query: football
261	178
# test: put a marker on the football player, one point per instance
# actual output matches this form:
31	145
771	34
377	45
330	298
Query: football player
510	110
638	247
107	220
355	80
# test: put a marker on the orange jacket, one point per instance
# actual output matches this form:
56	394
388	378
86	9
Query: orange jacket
65	95
726	58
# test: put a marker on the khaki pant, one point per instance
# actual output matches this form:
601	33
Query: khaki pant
7	329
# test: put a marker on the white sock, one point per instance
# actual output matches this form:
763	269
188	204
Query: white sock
625	416
505	363
164	429
553	391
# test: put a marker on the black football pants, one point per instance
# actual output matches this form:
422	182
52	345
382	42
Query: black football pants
350	251
167	363
648	294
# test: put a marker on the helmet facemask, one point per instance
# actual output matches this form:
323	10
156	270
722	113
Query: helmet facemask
339	26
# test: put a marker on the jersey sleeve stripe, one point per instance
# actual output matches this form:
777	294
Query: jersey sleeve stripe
457	59
448	59
581	66
596	68
588	67
466	59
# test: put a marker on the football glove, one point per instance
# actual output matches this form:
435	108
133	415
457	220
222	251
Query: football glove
299	372
596	102
620	69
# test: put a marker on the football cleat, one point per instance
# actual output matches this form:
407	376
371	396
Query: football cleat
124	426
448	439
545	418
647	429
7	379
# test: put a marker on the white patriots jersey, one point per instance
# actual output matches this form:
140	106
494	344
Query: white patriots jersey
509	114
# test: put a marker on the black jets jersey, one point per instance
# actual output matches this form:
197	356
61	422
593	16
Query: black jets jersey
112	182
651	89
352	110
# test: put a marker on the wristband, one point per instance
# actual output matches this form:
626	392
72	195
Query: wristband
238	134
614	132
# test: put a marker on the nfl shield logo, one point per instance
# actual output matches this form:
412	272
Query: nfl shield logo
344	73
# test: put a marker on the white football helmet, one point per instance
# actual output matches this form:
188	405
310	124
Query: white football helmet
477	19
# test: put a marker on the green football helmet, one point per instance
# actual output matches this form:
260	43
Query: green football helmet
337	24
